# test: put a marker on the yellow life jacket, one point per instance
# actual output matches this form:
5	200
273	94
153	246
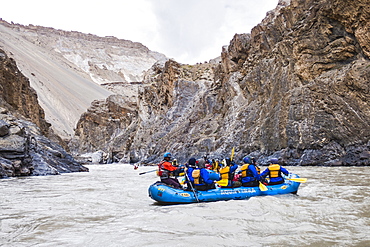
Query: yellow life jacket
274	170
215	166
224	172
244	170
258	170
196	175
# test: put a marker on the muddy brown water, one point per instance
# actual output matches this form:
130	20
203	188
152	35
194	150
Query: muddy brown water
109	206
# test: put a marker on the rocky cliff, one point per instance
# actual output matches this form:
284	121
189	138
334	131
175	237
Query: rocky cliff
24	148
304	76
297	87
67	68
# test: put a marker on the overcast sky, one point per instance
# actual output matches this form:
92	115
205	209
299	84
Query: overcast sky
189	31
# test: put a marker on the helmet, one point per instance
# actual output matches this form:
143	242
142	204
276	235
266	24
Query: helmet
191	162
201	163
247	160
274	161
167	155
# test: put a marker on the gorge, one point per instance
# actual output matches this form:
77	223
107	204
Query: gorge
296	87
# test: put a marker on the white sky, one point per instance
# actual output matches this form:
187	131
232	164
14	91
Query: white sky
189	31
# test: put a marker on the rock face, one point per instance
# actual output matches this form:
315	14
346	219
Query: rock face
67	68
15	91
304	74
297	87
24	148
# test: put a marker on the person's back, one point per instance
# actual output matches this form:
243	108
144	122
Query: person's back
227	173
201	177
215	165
190	166
249	174
275	171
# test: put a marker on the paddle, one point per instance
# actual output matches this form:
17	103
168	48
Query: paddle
141	173
299	180
223	182
262	186
232	154
196	197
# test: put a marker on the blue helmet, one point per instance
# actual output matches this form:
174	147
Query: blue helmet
274	161
247	160
167	155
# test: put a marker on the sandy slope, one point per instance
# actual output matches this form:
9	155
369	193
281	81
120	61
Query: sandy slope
63	92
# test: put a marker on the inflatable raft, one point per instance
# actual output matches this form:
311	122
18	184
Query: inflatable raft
164	194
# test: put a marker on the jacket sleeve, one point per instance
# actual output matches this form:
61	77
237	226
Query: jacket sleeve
168	166
283	170
189	172
254	172
233	168
264	173
205	176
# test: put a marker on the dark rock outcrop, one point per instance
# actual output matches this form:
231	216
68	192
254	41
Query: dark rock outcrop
24	148
16	93
297	87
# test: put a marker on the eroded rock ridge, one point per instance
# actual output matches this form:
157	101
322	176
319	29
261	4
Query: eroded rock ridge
297	87
67	68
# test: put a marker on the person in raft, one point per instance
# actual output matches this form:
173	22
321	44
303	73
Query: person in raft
274	171
249	172
189	167
227	172
201	178
166	172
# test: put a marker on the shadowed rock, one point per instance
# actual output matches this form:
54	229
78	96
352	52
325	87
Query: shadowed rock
24	148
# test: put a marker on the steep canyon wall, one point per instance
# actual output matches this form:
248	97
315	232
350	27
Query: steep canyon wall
297	87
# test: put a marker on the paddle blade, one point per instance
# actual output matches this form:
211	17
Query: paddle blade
232	154
299	180
262	187
223	182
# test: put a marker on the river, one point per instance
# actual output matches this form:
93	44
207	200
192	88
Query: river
109	206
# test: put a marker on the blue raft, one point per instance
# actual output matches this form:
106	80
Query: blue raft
164	194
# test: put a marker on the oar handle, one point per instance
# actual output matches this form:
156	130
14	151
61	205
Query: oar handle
141	173
192	188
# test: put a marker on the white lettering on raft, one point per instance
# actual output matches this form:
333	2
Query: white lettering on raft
231	192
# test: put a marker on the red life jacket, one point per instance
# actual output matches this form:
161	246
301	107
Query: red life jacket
165	169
